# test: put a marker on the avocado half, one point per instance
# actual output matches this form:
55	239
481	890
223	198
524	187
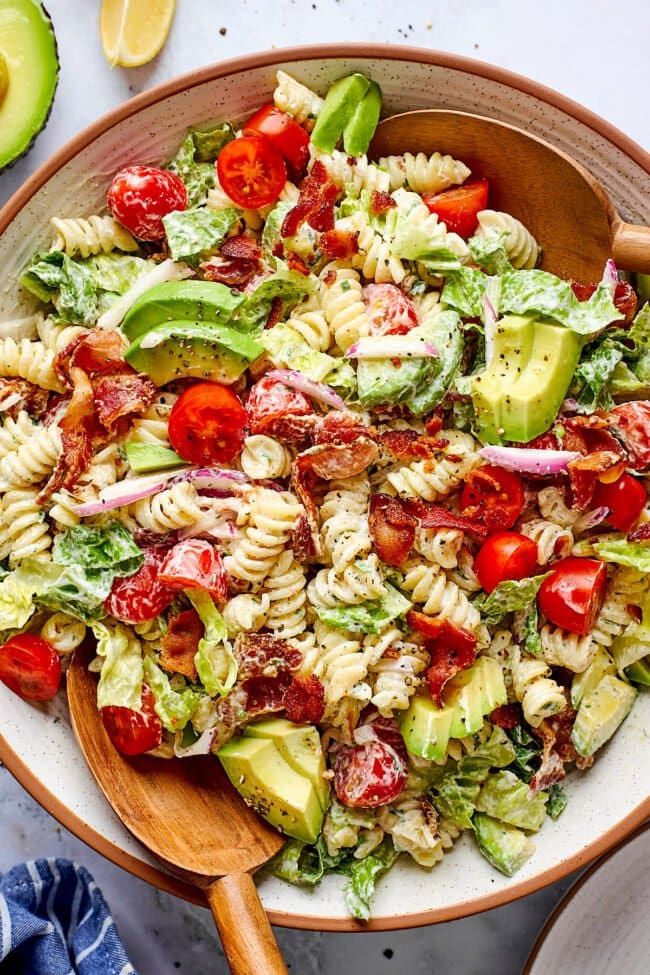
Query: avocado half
28	49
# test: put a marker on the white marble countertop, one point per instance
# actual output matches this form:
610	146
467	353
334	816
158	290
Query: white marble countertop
590	50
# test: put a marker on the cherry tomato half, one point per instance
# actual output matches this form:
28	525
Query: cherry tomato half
142	596
389	310
289	138
194	563
369	775
251	171
503	556
573	594
493	496
140	196
625	298
30	667
206	424
271	405
625	499
459	207
134	732
632	421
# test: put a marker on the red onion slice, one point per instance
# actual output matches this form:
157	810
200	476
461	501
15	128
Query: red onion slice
489	320
364	733
201	746
610	277
392	347
317	391
591	519
136	488
529	461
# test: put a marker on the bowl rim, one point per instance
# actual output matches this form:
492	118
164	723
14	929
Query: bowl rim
180	83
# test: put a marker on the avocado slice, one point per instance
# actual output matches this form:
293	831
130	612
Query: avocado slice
519	393
600	714
472	694
504	846
425	728
338	108
300	746
4	79
173	301
146	457
274	789
584	683
358	133
28	49
201	349
639	672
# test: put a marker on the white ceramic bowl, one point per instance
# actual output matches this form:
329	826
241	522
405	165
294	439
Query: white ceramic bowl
38	745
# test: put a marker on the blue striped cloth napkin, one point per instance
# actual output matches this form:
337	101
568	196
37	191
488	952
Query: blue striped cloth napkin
55	921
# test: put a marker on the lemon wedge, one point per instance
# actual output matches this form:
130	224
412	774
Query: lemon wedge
4	78
134	31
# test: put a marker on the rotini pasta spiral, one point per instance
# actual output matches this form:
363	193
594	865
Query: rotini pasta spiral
340	663
176	507
152	427
396	675
15	433
539	695
90	235
439	545
308	319
285	587
373	257
344	521
340	295
264	457
353	584
422	173
24	531
273	516
64	633
463	574
428	584
33	460
352	174
246	613
296	99
57	337
553	541
30	361
521	247
426	225
437	476
563	649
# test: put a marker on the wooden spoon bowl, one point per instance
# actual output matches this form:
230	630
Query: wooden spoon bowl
190	817
558	200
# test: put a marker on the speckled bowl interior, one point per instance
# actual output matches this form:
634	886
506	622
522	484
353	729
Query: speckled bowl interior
38	744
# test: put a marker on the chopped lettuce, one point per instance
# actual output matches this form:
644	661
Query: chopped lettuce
285	347
364	874
631	377
304	864
506	798
122	673
16	603
367	617
193	233
527	753
508	597
619	550
412	239
110	546
490	253
114	273
271	233
55	277
290	286
590	386
214	660
174	708
557	801
447	337
194	161
210	140
531	638
464	291
397	379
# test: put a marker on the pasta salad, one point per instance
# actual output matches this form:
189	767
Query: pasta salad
345	489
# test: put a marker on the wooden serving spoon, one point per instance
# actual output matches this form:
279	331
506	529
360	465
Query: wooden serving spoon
190	817
558	200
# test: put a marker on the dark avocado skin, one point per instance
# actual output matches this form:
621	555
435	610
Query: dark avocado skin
38	131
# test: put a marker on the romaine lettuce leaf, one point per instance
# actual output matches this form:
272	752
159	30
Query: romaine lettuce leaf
122	673
619	550
464	291
593	374
194	161
115	273
527	753
447	337
290	286
507	798
631	377
72	589
490	253
508	597
214	660
412	239
391	381
193	233
210	140
287	348
16	603
557	800
303	864
110	546
174	708
271	233
364	875
531	638
55	277
368	617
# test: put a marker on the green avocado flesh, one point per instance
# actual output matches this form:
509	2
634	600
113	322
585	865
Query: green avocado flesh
600	713
300	746
639	672
173	301
273	786
505	847
518	395
28	49
358	133
204	350
584	683
468	697
340	104
147	457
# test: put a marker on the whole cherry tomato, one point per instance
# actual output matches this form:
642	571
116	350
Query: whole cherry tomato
389	310
625	499
251	171
458	208
30	667
283	132
369	775
271	406
142	596
493	496
573	595
503	556
140	196
134	732
206	424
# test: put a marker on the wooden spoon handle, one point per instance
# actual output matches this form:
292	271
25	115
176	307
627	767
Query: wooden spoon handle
631	247
246	935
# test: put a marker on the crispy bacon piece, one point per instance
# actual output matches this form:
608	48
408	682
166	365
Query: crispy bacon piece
265	695
31	398
392	529
303	536
180	643
587	434
432	515
335	461
557	750
315	205
100	350
409	444
264	655
507	716
339	245
585	473
338	427
434	424
78	427
120	395
307	535
275	313
640	534
235	272
451	651
296	263
304	700
381	202
242	247
632	422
